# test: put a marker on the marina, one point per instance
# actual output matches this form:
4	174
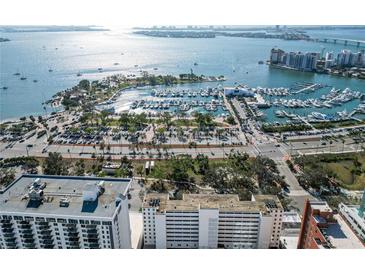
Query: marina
300	103
176	100
324	103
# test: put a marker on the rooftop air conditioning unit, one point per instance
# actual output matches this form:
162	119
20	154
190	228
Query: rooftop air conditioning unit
64	202
91	192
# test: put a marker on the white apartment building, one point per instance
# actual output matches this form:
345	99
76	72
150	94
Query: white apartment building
211	221
64	212
290	230
275	209
356	220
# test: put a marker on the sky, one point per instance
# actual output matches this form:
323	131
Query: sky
174	12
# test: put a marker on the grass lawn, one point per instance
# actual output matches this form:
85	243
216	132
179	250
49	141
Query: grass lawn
343	169
163	168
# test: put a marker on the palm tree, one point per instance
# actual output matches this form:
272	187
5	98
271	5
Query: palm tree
102	147
331	142
166	117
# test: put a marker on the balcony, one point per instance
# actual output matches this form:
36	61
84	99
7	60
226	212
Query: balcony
5	221
45	237
47	242
27	236
28	241
11	245
42	223
91	226
48	246
7	225
25	226
72	234
45	232
70	226
72	239
74	245
9	235
71	230
7	230
23	223
92	231
29	245
94	246
92	236
26	232
93	240
10	239
43	227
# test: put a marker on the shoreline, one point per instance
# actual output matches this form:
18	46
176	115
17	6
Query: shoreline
278	66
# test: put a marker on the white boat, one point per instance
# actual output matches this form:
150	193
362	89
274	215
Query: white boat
319	116
279	113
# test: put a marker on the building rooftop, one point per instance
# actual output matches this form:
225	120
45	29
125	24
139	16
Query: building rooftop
289	242
341	236
194	202
291	217
319	219
319	205
63	196
271	201
354	211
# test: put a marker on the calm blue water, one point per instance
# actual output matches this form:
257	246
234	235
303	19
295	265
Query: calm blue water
85	52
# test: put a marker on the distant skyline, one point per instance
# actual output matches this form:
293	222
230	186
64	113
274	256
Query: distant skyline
161	12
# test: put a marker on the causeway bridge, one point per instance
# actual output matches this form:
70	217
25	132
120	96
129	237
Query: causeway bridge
341	41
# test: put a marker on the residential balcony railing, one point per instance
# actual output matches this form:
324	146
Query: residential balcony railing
47	242
7	230
28	241
92	236
5	221
94	246
43	227
27	236
93	241
30	245
71	234
9	234
6	225
10	239
72	239
48	246
11	245
45	232
45	237
91	226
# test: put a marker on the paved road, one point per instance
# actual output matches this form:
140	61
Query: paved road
85	152
239	109
297	194
310	147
